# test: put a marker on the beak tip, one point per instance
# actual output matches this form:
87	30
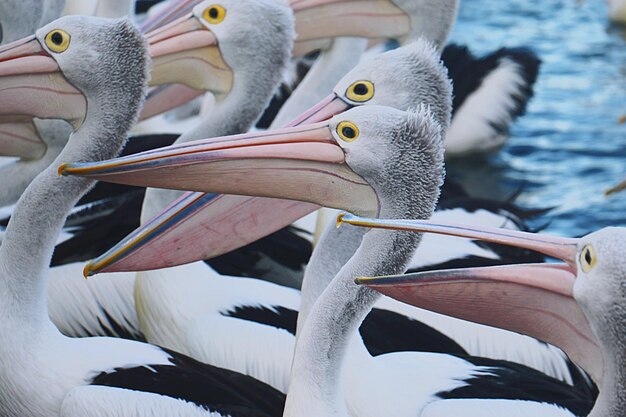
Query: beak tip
62	170
362	280
88	271
340	219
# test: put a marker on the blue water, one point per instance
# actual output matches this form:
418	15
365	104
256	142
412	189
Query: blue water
569	147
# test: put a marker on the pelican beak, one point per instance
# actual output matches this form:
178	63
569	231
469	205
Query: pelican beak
184	53
532	299
32	85
302	163
202	226
319	21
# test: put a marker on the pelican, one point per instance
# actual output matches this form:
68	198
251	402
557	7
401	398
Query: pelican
42	372
369	159
107	307
577	305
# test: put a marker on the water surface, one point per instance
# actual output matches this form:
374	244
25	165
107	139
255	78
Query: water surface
569	147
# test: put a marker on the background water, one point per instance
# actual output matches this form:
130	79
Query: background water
568	148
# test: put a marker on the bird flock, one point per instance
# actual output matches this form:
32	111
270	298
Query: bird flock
196	154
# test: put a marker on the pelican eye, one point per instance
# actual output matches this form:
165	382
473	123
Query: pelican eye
588	258
360	91
214	14
58	40
348	131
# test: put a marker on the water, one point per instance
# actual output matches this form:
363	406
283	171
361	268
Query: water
569	147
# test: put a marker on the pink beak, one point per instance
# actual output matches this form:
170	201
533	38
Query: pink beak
201	226
32	85
301	163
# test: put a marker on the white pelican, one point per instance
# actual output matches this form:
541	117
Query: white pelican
185	308
106	307
370	159
577	305
42	372
38	142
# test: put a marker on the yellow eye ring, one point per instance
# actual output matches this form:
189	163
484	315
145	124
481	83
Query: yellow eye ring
214	14
360	91
348	131
587	258
58	40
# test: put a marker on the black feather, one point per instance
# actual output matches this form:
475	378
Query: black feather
468	73
508	380
215	389
382	331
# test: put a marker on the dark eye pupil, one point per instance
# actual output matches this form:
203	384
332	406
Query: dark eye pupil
588	256
213	13
56	38
361	89
348	132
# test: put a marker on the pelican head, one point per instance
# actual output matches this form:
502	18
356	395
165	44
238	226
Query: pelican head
577	305
354	161
218	42
402	78
35	74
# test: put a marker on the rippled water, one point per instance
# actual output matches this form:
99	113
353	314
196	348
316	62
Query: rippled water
569	147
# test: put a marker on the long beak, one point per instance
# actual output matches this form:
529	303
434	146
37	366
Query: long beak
557	247
32	85
185	52
302	163
202	226
533	299
319	21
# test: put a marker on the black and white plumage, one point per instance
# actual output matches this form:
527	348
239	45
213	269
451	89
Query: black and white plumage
42	372
490	92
